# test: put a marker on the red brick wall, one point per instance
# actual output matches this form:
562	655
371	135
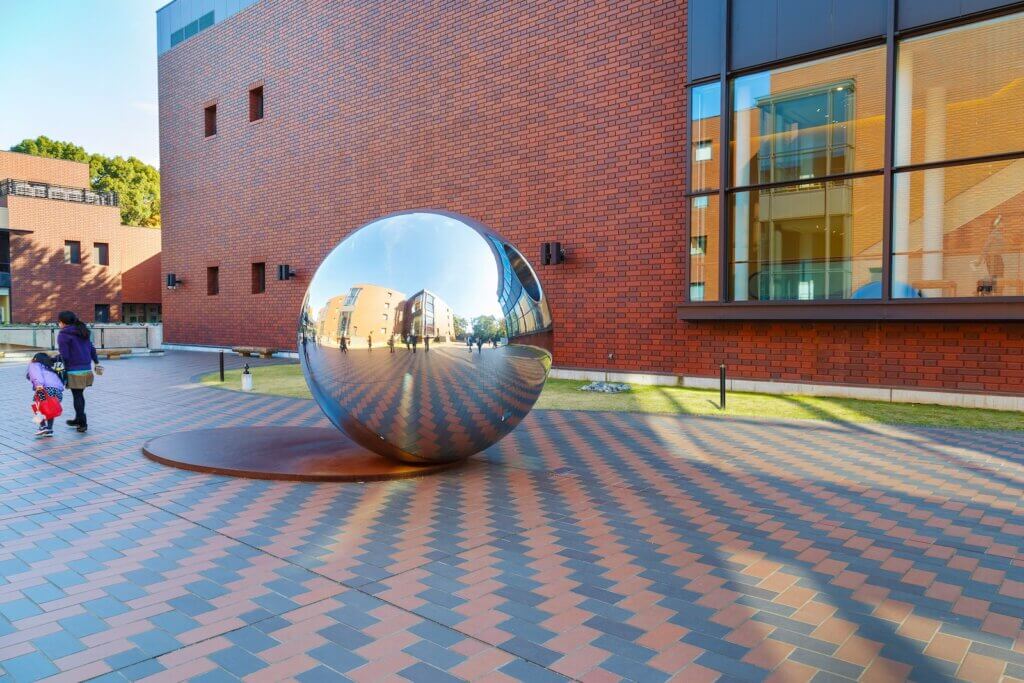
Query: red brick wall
42	284
42	170
545	121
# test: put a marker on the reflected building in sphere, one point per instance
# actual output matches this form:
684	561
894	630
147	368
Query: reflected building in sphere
425	314
365	311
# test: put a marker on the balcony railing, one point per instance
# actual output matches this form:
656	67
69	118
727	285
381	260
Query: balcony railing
27	188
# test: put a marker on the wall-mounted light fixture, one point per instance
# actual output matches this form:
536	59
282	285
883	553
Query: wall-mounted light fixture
173	282
285	272
551	254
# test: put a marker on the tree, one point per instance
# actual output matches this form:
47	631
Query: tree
485	326
136	182
460	324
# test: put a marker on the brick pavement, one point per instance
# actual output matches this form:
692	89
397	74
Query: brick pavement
590	546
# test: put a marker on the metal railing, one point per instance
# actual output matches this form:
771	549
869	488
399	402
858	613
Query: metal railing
28	188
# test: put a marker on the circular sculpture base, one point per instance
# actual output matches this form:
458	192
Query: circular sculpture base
284	453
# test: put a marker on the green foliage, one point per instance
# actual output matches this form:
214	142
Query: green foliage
136	182
460	324
485	326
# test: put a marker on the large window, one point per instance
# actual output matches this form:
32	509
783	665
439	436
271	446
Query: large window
809	121
799	210
813	241
957	224
958	231
960	93
794	236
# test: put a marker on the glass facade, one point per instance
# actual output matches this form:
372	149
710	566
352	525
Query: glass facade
804	187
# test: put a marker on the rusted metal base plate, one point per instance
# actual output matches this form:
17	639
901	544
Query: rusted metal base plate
286	453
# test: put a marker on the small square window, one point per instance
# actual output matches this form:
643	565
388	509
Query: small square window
101	313
702	151
259	278
700	202
213	281
256	104
698	245
72	252
102	253
210	120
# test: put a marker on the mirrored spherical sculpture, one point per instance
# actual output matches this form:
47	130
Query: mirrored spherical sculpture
425	337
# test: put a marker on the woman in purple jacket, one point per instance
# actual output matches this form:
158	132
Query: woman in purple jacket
79	355
42	376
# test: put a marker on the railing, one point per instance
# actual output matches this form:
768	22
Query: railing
104	335
28	188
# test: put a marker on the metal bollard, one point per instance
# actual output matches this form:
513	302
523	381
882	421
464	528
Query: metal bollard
721	386
222	367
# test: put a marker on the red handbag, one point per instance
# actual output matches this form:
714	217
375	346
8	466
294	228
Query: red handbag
47	406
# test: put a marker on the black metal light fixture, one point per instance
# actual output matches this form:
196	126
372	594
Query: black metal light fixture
173	281
285	272
551	254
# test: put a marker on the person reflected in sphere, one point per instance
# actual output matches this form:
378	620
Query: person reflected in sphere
426	343
405	340
342	344
391	343
369	341
479	344
415	339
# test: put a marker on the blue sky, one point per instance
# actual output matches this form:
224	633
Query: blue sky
82	71
410	252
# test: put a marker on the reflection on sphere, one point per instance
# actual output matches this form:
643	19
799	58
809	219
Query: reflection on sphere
425	337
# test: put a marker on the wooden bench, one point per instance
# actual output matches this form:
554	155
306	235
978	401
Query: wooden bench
112	354
261	351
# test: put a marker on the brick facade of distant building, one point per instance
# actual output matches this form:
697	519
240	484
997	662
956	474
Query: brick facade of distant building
40	223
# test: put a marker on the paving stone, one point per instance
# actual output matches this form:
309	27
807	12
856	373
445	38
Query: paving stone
646	542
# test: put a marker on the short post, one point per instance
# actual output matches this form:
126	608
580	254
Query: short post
246	379
222	367
721	386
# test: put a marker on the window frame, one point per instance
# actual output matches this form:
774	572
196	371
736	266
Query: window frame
69	247
258	272
210	120
257	103
887	307
102	250
212	280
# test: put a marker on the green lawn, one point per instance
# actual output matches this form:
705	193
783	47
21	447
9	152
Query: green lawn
287	380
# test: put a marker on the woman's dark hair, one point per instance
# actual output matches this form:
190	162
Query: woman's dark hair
71	320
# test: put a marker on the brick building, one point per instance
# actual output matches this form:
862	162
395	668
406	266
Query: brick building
62	246
864	226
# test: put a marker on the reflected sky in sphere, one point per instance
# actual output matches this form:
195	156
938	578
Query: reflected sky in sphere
447	256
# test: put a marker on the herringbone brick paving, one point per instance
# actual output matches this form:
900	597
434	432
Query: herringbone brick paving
584	545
